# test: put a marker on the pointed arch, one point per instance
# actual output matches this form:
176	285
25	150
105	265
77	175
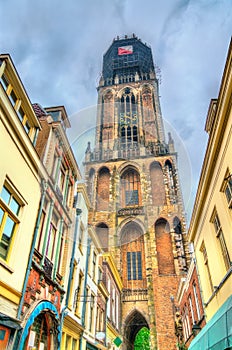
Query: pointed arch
128	117
164	247
133	323
130	188
157	184
103	183
171	181
133	256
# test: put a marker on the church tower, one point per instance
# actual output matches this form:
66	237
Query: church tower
133	185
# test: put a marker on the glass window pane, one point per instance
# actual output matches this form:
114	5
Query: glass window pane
27	127
13	97
5	195
6	237
139	262
1	215
14	205
20	114
134	266
3	248
4	82
9	228
128	266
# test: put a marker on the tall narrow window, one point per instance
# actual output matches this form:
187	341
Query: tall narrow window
79	291
103	183
191	308
205	257
61	253
94	265
40	230
186	323
196	301
228	191
164	247
9	211
134	266
61	181
221	240
128	120
157	184
91	312
131	192
51	242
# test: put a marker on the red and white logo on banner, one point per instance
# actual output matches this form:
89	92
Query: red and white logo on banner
125	50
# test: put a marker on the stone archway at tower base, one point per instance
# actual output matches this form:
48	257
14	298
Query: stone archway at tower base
133	323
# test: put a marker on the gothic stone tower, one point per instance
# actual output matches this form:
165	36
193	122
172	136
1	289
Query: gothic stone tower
133	184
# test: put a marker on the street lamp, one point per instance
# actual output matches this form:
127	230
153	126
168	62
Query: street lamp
195	329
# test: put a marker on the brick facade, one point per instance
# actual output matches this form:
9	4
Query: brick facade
190	304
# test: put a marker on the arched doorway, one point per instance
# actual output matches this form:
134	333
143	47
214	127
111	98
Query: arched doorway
42	329
134	322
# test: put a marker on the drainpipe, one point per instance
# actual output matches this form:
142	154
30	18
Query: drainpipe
64	310
106	318
85	284
44	188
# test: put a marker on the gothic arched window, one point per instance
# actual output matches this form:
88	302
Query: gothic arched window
157	184
132	250
103	183
130	188
171	181
164	247
128	118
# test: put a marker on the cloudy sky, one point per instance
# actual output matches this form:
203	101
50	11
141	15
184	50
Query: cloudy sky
57	48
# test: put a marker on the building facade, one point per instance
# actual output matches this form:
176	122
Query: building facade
211	222
46	279
133	182
113	283
190	316
19	174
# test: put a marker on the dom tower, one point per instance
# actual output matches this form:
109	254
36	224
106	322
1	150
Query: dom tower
133	184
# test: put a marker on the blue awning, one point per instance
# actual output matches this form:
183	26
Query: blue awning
43	305
217	333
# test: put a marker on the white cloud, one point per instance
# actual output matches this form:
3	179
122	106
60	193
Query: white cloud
57	48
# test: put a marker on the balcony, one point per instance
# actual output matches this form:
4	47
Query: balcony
48	266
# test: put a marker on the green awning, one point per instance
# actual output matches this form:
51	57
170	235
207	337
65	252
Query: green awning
217	333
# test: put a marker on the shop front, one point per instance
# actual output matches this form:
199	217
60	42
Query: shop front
42	329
